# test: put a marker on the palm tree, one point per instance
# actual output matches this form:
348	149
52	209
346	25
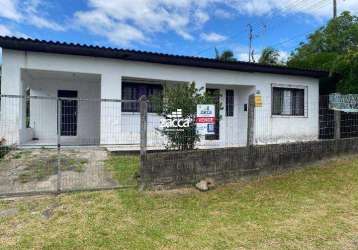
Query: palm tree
270	56
225	56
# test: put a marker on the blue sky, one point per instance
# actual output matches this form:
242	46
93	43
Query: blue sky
186	27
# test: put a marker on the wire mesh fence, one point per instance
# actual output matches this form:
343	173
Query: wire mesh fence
57	144
336	124
52	144
285	116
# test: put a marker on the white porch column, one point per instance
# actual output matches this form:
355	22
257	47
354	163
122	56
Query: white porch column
12	108
111	88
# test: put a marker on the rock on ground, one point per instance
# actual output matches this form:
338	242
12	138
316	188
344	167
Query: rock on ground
205	184
202	185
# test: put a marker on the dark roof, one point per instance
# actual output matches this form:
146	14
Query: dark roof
134	55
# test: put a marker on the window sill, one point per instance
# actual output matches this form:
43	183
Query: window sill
137	113
289	116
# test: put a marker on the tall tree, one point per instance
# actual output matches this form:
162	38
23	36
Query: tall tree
225	56
334	48
270	56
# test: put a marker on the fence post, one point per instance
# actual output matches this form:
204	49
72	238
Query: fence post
143	124
337	124
251	120
59	117
143	107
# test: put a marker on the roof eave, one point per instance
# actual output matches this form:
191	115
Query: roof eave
92	51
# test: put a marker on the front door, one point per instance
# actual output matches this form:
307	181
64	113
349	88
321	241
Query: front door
68	112
215	94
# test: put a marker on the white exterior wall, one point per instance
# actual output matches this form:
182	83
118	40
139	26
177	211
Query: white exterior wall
112	71
278	129
11	109
43	112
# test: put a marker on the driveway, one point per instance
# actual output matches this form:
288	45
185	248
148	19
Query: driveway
36	170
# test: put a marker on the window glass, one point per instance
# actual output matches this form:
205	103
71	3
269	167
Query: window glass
133	91
229	102
288	101
215	93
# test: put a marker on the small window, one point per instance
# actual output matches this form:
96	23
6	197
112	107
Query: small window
133	91
229	102
288	101
27	100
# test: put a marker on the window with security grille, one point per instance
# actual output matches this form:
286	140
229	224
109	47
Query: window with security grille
133	91
229	102
288	101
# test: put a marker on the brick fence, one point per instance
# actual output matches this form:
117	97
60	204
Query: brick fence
178	168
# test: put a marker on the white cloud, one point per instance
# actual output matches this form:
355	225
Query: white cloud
284	55
139	20
124	22
9	10
144	18
242	54
41	22
28	12
116	32
242	57
5	31
213	37
276	7
32	9
224	14
201	17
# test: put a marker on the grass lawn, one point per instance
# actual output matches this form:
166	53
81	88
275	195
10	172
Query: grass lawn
312	208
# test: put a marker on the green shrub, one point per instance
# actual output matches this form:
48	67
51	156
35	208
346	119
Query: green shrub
185	97
3	149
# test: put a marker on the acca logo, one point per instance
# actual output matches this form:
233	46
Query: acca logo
206	111
175	120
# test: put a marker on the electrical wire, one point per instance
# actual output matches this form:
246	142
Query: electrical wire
297	5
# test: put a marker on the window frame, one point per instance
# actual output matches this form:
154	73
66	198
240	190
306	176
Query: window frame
290	87
139	87
232	105
216	94
27	108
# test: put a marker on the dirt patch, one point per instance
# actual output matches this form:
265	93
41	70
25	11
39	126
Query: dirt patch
49	211
34	170
8	212
34	166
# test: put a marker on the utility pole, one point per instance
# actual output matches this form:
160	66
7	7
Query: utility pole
334	8
337	113
251	37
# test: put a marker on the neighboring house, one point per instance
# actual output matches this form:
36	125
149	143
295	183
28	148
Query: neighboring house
290	96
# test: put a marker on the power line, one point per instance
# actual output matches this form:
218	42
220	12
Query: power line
298	35
317	6
299	5
239	34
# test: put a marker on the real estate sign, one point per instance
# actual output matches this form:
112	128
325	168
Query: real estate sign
205	119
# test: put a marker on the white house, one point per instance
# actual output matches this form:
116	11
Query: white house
47	70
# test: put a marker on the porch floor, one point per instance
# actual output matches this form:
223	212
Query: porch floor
120	148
